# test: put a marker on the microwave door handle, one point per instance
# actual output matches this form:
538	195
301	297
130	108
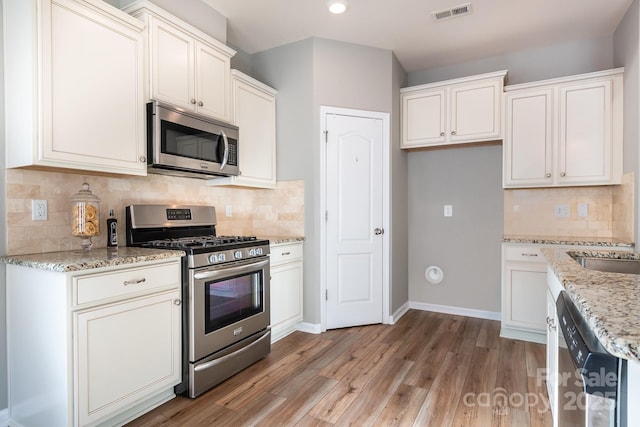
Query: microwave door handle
225	157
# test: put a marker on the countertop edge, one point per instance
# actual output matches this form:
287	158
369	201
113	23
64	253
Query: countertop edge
282	240
566	241
615	332
80	260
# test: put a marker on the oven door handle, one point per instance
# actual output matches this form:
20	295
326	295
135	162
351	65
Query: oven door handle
225	272
214	362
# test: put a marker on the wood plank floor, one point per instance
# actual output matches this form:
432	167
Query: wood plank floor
429	369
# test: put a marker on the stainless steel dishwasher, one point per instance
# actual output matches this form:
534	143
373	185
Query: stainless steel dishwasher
591	382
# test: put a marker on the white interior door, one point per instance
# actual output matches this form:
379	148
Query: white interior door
354	220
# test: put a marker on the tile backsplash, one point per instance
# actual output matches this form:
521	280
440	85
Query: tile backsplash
530	212
261	212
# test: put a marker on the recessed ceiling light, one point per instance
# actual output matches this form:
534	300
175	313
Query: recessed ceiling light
337	6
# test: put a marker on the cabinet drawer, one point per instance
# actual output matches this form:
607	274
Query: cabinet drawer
524	253
125	283
286	253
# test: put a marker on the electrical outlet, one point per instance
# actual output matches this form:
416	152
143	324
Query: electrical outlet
448	210
228	211
562	211
39	210
583	209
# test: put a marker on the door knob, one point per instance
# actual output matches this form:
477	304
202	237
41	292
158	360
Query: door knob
378	231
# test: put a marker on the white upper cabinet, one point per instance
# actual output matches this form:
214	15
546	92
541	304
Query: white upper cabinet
75	98
453	112
187	68
254	111
564	132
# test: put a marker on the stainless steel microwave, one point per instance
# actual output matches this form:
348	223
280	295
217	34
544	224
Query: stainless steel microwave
183	143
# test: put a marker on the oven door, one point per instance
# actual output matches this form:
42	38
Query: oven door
226	305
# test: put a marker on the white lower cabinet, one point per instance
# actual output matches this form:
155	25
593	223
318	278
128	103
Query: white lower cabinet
553	291
524	290
524	284
286	288
94	347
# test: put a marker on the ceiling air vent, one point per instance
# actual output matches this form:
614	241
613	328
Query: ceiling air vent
441	15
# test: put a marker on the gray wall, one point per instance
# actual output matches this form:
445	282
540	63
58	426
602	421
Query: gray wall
459	176
531	65
467	245
307	75
626	40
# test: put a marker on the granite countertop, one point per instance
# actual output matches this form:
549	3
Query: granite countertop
609	302
280	240
78	260
559	240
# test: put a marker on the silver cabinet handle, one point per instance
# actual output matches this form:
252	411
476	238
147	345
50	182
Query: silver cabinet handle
378	231
528	254
453	132
551	324
177	301
441	133
286	253
193	101
200	104
563	174
143	159
548	175
134	282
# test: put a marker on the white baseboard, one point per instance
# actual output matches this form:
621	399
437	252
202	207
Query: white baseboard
460	311
310	328
4	417
399	313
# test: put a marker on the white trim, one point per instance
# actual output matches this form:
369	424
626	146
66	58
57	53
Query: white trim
399	313
539	337
386	200
310	328
460	311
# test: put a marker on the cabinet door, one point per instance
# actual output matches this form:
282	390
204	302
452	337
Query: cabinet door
213	84
255	115
93	115
286	298
475	111
172	65
525	297
552	352
423	118
125	352
528	142
585	137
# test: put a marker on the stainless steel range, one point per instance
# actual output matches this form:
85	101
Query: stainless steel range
226	316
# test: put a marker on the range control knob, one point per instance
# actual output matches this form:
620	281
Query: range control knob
237	254
252	252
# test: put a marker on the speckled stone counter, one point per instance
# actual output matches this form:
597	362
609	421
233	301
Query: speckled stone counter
281	240
85	260
609	302
578	241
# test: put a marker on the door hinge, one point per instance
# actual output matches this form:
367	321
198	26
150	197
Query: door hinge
326	215
326	294
326	136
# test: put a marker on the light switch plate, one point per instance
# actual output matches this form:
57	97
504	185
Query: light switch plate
583	209
448	210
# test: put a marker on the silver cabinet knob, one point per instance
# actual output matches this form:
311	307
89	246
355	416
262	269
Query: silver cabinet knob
193	101
563	174
177	301
548	175
453	132
441	133
378	231
200	104
143	159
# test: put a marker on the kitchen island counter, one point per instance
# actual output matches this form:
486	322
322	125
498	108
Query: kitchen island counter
609	302
78	260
